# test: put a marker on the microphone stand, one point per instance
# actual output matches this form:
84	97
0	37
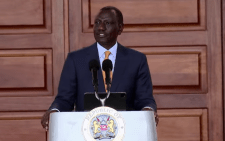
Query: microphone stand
102	100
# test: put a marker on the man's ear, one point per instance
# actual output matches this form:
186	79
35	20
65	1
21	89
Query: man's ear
121	26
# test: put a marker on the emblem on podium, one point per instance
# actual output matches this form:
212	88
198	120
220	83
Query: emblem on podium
103	123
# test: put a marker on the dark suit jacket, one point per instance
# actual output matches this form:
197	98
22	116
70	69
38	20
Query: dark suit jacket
131	75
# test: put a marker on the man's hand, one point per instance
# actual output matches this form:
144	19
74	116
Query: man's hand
155	114
45	119
156	118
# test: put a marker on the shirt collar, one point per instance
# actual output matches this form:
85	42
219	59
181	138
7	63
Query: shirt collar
102	50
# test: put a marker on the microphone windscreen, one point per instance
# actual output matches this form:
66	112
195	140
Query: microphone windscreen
107	64
93	64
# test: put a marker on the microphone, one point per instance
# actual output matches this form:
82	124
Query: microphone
94	67
107	67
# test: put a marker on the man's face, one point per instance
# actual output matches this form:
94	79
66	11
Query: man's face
106	28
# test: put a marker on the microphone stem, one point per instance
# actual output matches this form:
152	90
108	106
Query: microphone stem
108	87
94	80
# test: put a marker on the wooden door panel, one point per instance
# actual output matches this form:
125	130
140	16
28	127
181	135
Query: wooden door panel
21	12
151	15
26	72
174	69
180	69
182	125
29	74
25	16
156	11
21	126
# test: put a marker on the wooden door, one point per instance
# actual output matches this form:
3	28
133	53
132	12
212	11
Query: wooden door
32	53
182	41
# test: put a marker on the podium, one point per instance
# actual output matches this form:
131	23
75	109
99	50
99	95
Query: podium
69	126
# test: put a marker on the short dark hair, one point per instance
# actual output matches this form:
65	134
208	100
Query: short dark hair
118	13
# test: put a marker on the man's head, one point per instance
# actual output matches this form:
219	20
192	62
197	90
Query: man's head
107	26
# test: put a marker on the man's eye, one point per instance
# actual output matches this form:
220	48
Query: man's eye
96	22
107	23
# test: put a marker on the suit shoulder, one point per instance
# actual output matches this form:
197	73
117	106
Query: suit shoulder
81	52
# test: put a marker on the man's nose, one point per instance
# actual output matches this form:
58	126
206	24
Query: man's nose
102	26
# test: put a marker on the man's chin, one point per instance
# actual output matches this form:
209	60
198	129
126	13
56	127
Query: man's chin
105	43
102	42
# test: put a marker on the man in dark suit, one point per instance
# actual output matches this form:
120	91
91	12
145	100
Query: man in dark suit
130	72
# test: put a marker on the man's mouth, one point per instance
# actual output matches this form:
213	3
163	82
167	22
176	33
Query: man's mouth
101	35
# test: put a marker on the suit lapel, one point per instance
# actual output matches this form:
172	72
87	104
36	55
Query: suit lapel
120	67
93	54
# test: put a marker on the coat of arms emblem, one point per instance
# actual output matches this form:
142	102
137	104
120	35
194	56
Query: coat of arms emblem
103	123
103	127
